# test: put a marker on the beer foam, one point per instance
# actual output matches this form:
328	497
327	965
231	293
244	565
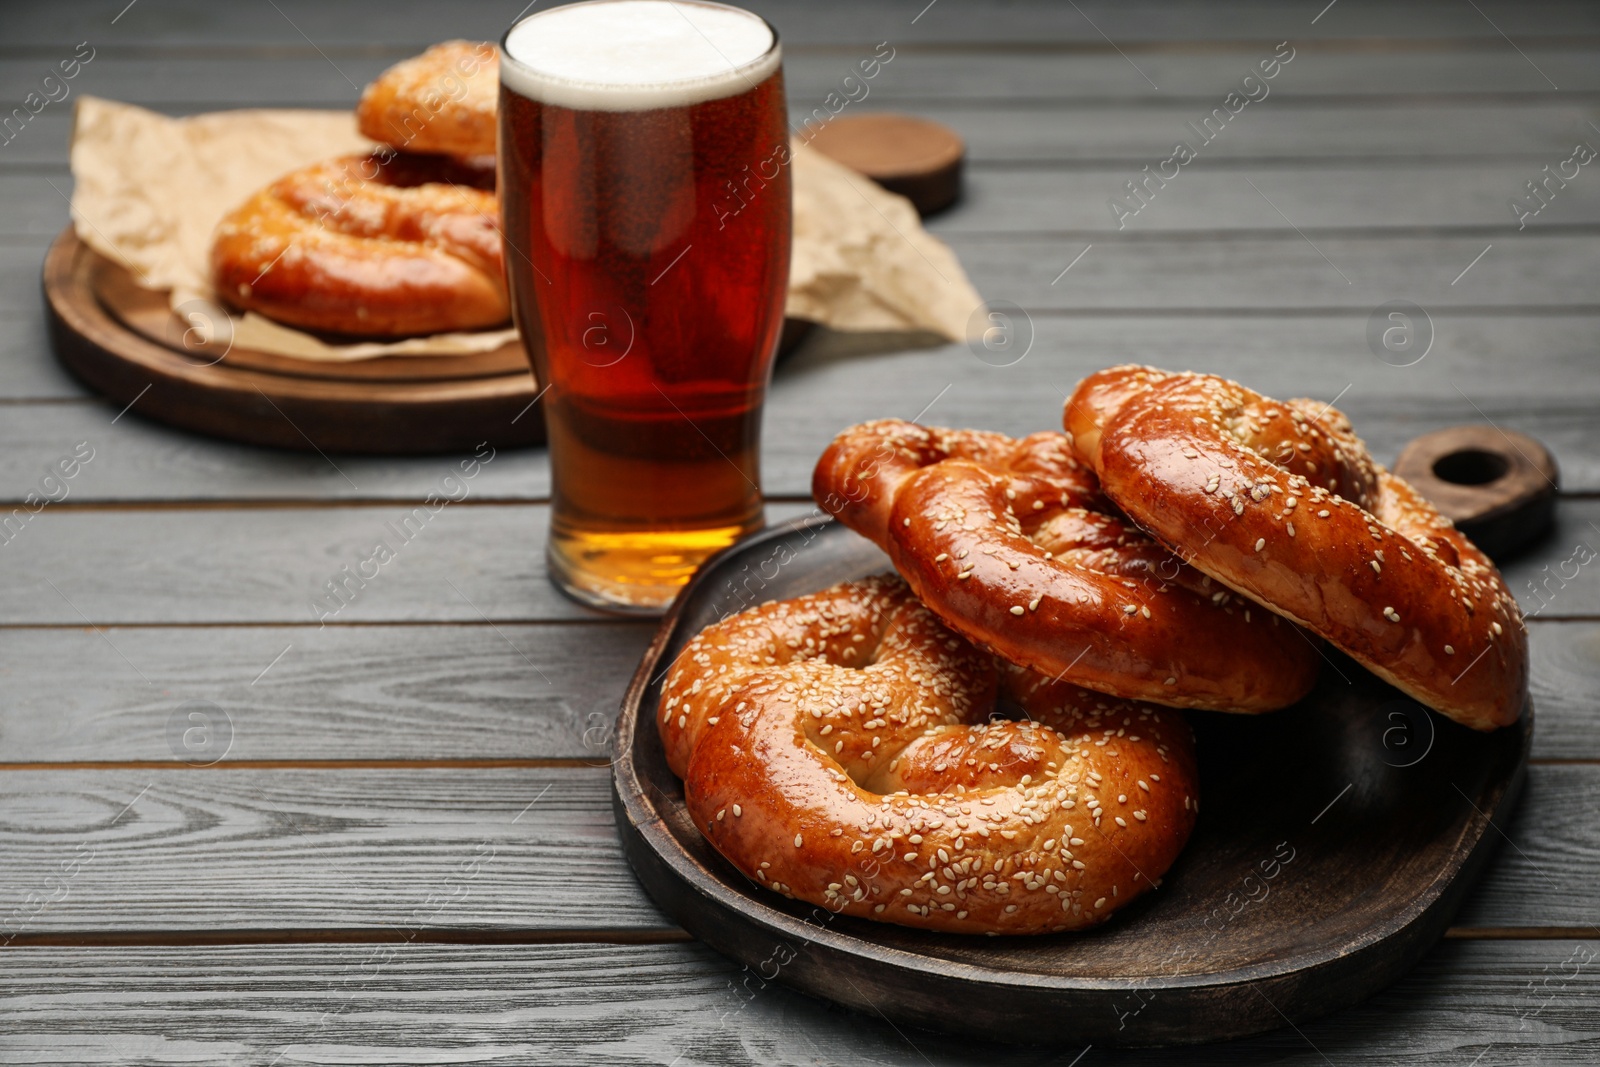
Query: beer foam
632	55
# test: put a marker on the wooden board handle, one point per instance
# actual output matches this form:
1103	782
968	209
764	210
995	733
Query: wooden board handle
1498	486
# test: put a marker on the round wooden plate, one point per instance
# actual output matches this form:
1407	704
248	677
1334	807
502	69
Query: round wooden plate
124	342
1336	839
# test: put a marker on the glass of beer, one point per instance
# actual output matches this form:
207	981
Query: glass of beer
644	188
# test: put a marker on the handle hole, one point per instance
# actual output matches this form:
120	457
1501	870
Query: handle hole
1471	466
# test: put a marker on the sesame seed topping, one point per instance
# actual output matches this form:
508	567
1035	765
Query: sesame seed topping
1018	609
737	811
1449	650
1261	542
1129	609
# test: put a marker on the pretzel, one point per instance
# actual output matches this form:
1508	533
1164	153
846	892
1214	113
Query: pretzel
1011	543
838	748
1283	503
367	245
441	101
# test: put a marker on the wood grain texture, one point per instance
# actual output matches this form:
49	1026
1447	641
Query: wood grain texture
1334	195
1511	1003
471	692
463	564
219	849
273	565
531	849
835	380
417	23
1534	273
1397	229
235	75
447	692
1278	130
1514	1004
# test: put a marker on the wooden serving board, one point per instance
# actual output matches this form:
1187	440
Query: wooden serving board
1336	840
125	343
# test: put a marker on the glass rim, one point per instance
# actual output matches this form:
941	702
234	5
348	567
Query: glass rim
507	58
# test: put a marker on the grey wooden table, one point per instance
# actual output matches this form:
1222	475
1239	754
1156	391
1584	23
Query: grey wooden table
405	851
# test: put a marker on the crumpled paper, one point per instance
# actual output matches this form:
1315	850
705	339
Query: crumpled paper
149	190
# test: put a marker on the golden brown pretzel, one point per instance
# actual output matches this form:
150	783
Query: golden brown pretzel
1010	542
838	748
1282	502
441	101
380	246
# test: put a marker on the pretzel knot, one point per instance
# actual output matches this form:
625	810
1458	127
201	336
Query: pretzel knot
839	749
1012	544
1283	503
365	245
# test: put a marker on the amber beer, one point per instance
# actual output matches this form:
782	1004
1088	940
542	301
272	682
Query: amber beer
645	195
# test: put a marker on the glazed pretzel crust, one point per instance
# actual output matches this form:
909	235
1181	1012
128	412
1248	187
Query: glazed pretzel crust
363	246
441	101
1283	503
837	748
1012	544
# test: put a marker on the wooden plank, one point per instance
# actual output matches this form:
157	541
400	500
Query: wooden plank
442	692
417	22
359	848
303	693
272	565
1212	199
237	76
1217	274
526	848
1557	578
1202	199
1208	275
1508	1003
1133	136
823	389
259	565
1211	274
1565	663
1472	374
1097	132
133	456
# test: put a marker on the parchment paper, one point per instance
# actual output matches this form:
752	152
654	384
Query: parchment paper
150	189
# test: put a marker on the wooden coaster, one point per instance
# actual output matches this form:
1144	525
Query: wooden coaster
918	158
1498	486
